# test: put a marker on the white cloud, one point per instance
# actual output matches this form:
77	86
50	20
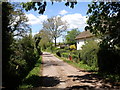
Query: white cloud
36	19
75	20
63	12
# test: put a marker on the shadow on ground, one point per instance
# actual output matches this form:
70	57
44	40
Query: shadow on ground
93	79
86	77
85	87
91	71
42	81
53	63
47	55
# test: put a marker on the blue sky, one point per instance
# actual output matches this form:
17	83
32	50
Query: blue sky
75	17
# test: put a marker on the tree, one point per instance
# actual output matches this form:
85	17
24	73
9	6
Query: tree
41	6
46	38
104	20
18	20
6	40
37	39
55	26
9	29
70	37
104	17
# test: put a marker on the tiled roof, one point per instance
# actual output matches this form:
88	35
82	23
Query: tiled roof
85	34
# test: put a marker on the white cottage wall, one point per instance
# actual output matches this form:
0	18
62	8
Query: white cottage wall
81	42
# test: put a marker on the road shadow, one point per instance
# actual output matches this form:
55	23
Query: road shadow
42	81
91	71
86	77
85	87
93	79
52	63
48	56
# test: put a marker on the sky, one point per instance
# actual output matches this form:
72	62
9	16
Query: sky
75	17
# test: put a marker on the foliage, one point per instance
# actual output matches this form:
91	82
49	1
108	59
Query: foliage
104	21
66	55
104	18
89	53
80	64
18	53
41	6
34	71
22	60
6	38
72	47
37	39
55	26
75	57
70	37
58	53
111	77
18	21
108	61
46	39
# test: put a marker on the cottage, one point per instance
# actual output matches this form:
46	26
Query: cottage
82	37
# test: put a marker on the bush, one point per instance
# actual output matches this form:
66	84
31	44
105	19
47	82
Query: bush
72	47
108	61
67	48
89	53
58	53
66	55
22	60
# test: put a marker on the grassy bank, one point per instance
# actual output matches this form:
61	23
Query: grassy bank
78	65
29	81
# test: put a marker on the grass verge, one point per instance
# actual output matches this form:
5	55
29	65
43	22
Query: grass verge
78	65
108	77
28	82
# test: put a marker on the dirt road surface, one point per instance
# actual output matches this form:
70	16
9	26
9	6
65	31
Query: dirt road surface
60	75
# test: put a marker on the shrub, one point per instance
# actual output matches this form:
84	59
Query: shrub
67	48
58	53
75	57
22	60
89	53
66	55
72	47
108	61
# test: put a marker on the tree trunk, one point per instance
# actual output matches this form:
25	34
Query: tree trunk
55	41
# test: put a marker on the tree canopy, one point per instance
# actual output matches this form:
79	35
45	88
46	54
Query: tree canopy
70	37
18	20
46	38
104	18
14	52
104	21
41	6
55	26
